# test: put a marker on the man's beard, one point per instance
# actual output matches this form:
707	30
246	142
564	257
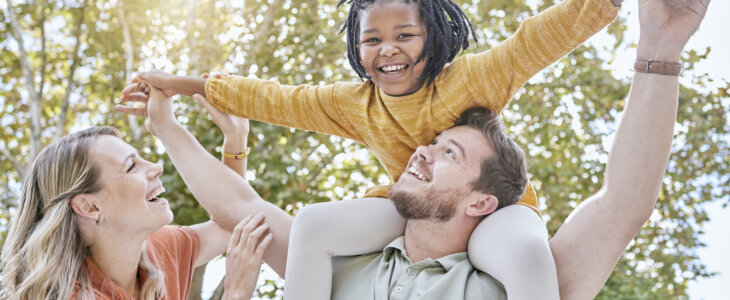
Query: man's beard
437	205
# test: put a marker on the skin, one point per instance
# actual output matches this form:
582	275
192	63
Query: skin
205	175
125	216
606	223
602	225
392	34
451	162
251	237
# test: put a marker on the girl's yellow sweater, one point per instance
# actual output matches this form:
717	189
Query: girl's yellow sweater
393	127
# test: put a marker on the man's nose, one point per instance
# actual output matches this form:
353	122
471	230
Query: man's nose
423	153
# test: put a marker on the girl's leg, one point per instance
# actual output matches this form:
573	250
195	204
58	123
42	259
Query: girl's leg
342	228
512	246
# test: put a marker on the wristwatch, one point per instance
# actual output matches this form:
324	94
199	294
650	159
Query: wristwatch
657	67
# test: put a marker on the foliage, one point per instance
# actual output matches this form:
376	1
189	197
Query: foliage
564	118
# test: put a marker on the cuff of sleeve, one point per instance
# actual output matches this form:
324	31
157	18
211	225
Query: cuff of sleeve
216	92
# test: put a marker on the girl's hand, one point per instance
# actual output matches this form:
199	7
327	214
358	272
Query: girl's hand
244	257
158	79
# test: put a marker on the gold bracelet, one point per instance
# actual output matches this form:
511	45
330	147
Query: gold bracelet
241	155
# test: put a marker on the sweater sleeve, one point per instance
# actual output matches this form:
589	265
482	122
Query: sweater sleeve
494	76
304	107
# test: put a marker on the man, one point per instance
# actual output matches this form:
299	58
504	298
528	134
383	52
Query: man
443	206
447	188
468	172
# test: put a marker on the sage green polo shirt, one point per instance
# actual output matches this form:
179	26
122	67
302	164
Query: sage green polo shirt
391	275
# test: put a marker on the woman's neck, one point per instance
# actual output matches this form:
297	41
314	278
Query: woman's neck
119	259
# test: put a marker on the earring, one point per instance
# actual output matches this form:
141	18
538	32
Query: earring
100	219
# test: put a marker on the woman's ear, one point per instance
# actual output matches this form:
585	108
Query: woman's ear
84	206
482	206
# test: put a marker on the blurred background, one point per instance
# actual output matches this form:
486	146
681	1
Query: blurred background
63	65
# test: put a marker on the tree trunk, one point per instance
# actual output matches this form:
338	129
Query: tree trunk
196	285
61	126
35	100
129	65
218	293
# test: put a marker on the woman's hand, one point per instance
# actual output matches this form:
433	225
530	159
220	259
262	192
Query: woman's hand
232	126
244	257
157	109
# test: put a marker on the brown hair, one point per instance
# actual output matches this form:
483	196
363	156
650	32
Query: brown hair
503	175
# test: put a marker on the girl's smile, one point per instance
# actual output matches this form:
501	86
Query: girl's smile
392	37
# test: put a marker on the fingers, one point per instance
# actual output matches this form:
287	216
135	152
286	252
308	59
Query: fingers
255	237
132	88
135	111
250	237
135	97
215	75
236	236
209	107
263	245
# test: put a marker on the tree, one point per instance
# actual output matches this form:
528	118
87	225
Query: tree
78	55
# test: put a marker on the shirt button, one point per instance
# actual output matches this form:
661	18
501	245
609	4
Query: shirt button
410	272
398	289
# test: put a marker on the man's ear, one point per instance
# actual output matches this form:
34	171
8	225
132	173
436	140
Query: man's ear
84	206
482	206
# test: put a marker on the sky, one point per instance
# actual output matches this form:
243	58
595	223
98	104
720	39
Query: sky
712	33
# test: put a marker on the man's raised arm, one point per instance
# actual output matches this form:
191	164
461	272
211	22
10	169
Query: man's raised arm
590	242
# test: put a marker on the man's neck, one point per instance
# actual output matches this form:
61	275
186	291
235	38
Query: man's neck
431	239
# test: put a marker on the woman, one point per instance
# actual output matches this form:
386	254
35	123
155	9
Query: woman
90	225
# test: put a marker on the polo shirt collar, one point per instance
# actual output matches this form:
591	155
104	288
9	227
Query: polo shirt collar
398	246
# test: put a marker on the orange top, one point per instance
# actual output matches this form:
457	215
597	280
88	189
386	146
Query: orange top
172	249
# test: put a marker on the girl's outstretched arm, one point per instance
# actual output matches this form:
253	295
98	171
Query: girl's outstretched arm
512	246
342	228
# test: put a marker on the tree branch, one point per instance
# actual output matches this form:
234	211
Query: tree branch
128	65
17	165
72	71
35	101
44	57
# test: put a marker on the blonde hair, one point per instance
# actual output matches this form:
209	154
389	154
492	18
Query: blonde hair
43	255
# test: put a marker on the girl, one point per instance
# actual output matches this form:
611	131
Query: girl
402	48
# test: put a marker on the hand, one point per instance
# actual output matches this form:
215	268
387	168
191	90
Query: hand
157	109
232	126
668	24
158	79
244	257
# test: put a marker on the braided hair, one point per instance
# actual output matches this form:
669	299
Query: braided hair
446	24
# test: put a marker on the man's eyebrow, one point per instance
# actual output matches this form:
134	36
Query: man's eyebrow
461	148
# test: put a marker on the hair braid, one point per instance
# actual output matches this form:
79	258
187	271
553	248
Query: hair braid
448	33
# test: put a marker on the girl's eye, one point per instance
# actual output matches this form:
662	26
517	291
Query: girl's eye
451	153
404	35
371	41
131	168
